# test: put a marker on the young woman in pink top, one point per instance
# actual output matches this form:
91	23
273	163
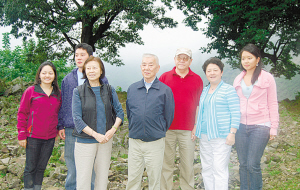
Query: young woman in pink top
256	89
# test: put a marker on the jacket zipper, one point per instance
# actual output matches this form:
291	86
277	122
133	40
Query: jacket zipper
247	106
31	127
145	110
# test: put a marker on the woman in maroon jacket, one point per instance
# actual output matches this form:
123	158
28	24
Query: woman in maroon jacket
37	121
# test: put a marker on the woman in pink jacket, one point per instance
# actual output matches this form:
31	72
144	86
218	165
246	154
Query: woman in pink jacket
256	89
37	121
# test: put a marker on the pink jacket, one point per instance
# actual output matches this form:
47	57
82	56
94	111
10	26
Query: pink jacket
262	105
38	114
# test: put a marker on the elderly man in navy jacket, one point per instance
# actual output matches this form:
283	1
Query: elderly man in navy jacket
150	111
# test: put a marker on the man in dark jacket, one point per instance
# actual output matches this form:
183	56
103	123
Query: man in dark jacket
65	120
150	111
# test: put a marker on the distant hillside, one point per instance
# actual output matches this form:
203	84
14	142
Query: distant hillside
125	75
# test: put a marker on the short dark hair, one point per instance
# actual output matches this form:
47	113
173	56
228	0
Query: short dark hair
86	47
254	50
54	82
98	60
213	60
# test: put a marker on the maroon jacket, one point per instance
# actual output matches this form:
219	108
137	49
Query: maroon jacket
38	114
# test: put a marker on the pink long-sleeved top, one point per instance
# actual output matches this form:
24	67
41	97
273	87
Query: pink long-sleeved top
38	114
262	104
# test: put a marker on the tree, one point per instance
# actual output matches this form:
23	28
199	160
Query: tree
104	24
272	25
24	62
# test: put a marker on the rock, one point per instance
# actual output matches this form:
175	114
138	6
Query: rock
3	122
13	183
62	157
276	158
13	149
197	168
265	175
5	160
3	169
21	160
5	150
274	144
54	188
16	169
175	177
16	88
57	174
176	171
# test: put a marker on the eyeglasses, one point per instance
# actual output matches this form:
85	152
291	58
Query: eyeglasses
182	58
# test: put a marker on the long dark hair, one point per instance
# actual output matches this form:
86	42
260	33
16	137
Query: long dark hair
54	82
254	50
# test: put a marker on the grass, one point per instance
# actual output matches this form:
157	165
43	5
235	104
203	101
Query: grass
285	174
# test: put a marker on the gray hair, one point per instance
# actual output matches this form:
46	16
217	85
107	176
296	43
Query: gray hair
151	55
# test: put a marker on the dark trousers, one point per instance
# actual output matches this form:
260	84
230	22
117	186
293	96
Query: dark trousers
38	152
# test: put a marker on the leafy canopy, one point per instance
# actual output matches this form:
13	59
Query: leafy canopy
106	25
24	62
272	25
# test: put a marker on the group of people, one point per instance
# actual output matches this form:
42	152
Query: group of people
162	113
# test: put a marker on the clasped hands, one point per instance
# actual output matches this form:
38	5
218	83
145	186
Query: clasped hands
104	138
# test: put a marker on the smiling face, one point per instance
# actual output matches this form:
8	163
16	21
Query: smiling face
182	62
93	71
81	55
47	75
249	61
213	73
149	68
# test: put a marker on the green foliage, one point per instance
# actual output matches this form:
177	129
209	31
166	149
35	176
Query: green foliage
106	25
119	89
273	25
274	172
2	174
56	153
124	156
24	62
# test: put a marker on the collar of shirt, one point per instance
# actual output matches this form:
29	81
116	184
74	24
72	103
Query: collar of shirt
148	85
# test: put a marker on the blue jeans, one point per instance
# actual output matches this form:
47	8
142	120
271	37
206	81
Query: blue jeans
38	152
69	158
70	161
251	141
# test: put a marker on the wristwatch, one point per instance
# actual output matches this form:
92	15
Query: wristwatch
232	132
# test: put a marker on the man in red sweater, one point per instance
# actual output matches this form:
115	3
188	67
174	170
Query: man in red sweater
186	87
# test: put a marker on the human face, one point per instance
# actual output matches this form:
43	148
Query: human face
93	71
249	61
47	75
149	68
81	55
213	73
182	62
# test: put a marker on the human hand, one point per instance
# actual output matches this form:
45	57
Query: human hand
110	133
193	137
62	134
230	139
23	143
99	137
272	137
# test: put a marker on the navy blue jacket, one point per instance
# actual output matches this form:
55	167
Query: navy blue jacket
65	119
150	112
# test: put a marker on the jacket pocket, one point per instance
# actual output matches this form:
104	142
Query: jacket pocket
253	108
